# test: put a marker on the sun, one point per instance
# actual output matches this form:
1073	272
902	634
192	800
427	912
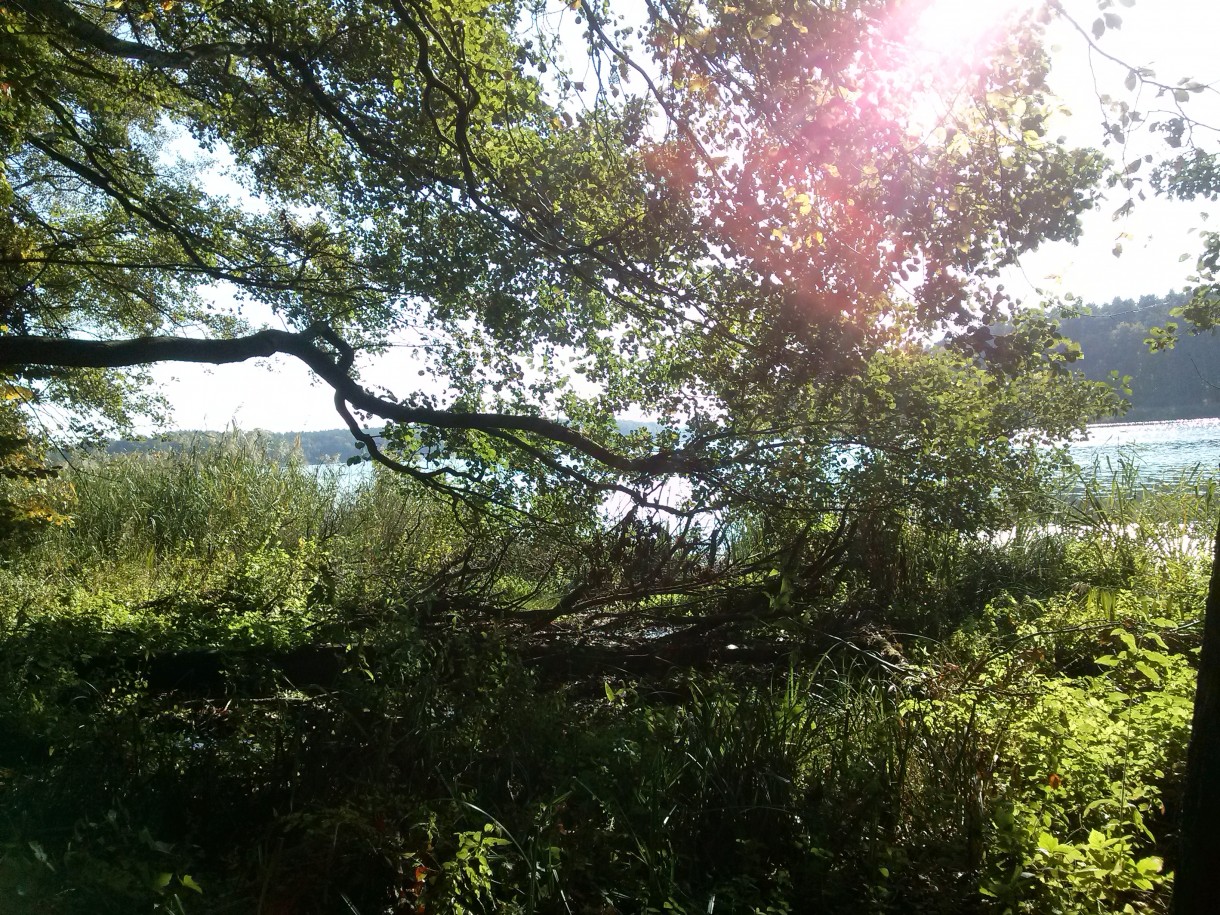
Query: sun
936	49
961	30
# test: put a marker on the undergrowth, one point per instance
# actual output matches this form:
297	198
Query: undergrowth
236	685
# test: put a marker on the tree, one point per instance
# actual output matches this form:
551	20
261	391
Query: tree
29	497
725	211
1192	176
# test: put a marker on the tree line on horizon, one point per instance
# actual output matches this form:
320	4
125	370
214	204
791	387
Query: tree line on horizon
1182	382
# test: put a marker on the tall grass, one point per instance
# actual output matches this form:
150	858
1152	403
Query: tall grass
226	495
207	512
1172	516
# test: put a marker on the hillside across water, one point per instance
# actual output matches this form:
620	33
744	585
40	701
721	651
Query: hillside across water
1179	383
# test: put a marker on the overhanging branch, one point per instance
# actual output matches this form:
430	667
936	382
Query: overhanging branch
331	365
90	34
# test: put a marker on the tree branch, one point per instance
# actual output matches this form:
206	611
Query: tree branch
21	351
93	35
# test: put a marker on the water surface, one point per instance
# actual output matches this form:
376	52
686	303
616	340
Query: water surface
1157	450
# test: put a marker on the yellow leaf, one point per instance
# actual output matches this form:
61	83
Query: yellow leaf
10	391
760	28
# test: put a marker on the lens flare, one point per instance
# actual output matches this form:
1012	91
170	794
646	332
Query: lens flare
961	30
937	48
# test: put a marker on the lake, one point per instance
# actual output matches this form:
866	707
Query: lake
1158	450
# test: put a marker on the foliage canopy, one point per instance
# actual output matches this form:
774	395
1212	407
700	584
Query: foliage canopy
716	216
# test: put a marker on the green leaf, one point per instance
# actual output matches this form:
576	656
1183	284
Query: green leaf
1150	865
1157	657
189	882
1125	637
1148	671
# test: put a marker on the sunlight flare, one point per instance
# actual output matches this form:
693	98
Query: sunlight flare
962	29
937	49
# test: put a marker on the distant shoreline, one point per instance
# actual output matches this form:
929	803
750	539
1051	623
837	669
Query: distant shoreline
326	446
1154	415
335	446
1141	421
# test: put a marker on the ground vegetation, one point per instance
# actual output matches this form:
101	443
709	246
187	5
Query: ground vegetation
235	684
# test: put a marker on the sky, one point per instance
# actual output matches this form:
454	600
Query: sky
1176	38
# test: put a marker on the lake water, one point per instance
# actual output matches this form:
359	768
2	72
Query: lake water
1159	451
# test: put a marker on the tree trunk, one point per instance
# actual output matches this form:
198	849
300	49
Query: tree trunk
1195	886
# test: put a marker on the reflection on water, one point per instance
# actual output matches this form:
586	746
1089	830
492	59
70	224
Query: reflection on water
1159	451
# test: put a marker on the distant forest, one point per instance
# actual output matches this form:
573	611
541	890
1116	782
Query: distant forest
328	447
1181	383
